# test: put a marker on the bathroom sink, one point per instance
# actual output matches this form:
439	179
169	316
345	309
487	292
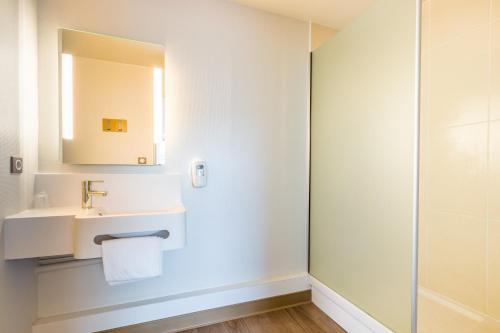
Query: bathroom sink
134	205
93	227
79	232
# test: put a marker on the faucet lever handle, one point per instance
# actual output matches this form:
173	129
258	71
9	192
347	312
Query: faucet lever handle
90	182
88	193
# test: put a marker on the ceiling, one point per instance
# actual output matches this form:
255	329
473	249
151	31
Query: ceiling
331	13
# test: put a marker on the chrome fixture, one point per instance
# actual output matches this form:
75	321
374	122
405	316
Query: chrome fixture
88	193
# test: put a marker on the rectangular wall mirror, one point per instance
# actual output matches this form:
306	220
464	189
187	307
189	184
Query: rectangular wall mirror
111	100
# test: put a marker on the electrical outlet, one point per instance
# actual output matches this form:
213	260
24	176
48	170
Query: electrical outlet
16	164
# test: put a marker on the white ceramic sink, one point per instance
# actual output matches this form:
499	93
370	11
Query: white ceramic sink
73	230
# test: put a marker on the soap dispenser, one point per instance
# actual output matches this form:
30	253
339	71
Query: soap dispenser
199	173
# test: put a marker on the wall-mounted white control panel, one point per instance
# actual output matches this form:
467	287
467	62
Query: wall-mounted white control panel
199	173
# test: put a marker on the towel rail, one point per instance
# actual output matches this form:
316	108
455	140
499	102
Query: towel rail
100	238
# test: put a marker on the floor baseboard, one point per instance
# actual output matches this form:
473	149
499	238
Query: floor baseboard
213	316
201	308
174	306
346	314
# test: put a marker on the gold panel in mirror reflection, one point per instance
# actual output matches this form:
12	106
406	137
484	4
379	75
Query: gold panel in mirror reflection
114	125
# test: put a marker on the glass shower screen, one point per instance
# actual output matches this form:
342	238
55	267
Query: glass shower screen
364	158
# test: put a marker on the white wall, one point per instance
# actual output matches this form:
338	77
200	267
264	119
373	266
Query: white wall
236	96
17	283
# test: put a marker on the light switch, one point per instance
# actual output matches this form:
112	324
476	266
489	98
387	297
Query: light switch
16	164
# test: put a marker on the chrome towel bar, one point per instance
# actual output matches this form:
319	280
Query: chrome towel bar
100	238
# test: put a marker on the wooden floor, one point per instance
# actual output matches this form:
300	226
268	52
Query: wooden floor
303	318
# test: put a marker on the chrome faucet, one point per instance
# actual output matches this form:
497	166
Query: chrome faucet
88	193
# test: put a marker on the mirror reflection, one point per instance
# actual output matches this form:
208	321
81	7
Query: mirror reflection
111	99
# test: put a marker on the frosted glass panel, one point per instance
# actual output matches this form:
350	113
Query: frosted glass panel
363	161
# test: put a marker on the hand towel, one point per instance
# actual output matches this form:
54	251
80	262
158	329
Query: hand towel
132	259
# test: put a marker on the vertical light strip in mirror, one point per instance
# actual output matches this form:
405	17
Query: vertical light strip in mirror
158	104
416	159
67	96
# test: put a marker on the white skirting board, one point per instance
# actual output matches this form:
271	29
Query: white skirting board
346	314
170	306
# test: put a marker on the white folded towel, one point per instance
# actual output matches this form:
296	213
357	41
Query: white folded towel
131	259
